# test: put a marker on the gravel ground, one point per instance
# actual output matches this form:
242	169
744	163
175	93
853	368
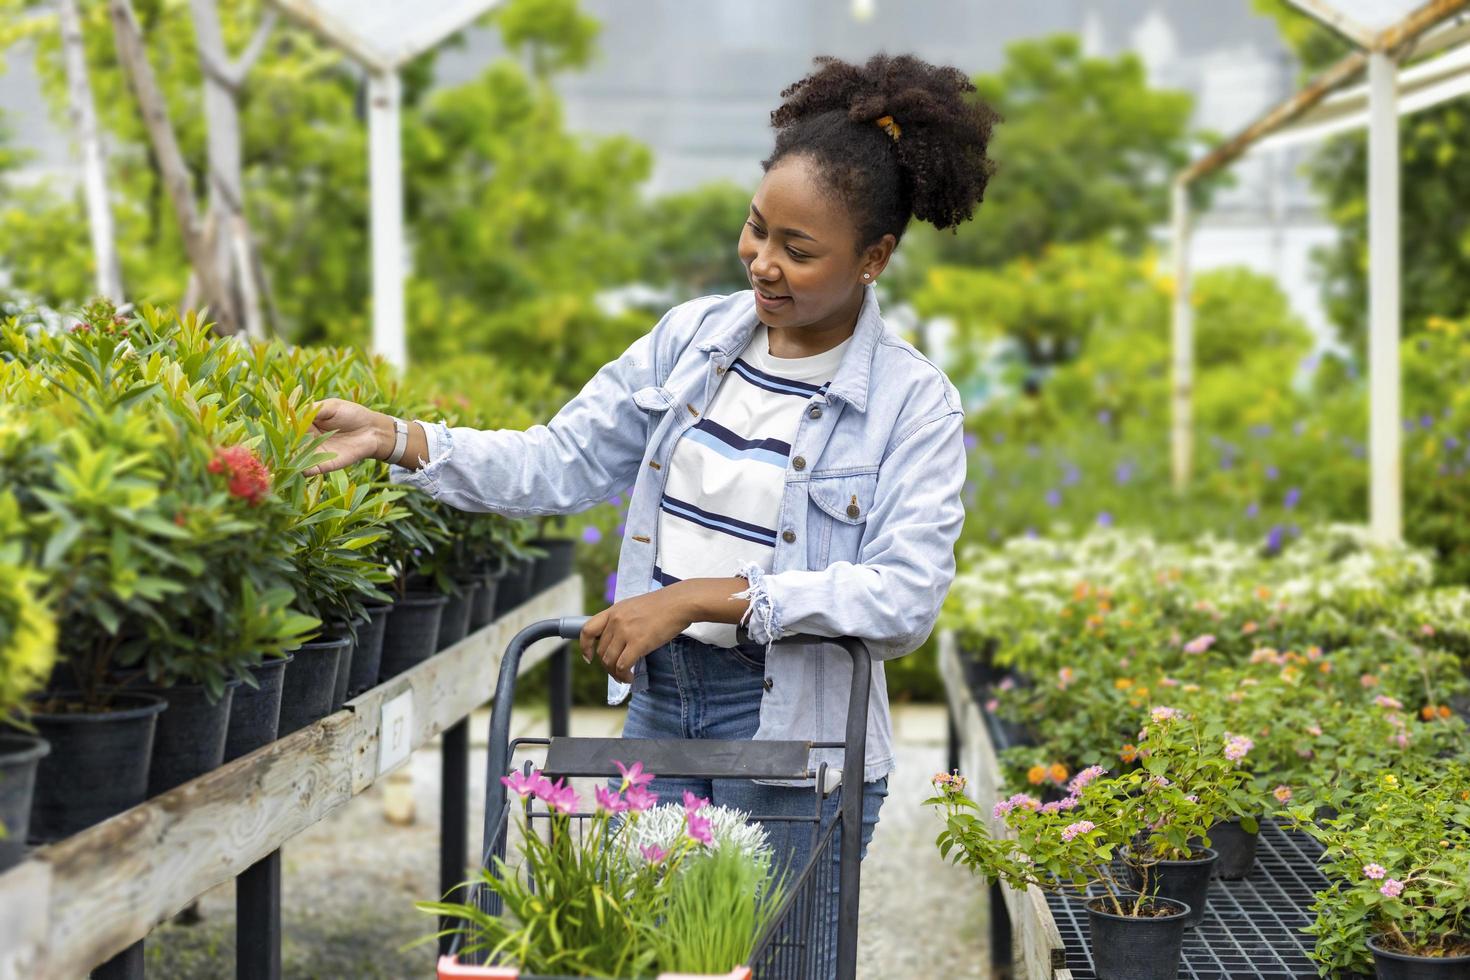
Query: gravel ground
349	883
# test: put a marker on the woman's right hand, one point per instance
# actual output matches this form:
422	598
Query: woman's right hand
353	432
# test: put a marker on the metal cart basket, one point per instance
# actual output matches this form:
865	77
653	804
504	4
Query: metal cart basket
798	942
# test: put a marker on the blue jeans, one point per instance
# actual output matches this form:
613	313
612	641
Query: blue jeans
699	691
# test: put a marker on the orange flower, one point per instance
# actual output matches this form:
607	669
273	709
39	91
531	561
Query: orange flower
1058	772
1123	683
1427	712
1444	711
1036	775
1129	752
1249	628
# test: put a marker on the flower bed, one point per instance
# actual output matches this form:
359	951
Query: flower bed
1307	678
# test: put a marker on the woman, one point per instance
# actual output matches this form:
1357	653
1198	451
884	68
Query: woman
796	467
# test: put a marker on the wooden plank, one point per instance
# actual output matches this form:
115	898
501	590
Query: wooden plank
75	903
1036	940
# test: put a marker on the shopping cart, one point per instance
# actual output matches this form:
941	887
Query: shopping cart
797	944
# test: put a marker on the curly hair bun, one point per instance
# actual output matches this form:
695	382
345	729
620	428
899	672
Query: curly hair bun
937	138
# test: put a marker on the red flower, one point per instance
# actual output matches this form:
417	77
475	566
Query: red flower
249	478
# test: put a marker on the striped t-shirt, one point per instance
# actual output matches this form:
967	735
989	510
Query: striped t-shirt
727	473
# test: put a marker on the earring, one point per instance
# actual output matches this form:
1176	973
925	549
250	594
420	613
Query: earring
867	275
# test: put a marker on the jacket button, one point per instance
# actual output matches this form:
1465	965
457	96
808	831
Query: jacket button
815	412
769	684
788	536
799	463
852	510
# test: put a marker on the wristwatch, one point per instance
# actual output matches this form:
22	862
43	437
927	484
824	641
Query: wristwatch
400	441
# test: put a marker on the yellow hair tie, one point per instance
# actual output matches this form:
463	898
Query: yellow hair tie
890	127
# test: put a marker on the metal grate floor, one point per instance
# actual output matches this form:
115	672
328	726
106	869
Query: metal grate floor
1251	928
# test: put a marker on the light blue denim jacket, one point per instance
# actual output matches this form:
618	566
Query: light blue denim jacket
868	521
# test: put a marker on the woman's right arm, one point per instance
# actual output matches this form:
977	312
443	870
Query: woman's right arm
591	450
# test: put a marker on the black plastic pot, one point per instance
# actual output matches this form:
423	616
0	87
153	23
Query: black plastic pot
311	680
190	738
341	631
482	609
367	657
1186	882
19	755
454	622
1401	966
555	566
412	632
515	585
255	715
98	764
1126	947
1237	849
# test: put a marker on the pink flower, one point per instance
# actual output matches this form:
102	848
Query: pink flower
1164	714
1075	830
1006	684
1079	782
1237	747
639	799
609	801
1057	806
633	775
1282	794
653	854
692	803
1375	871
559	797
1392	888
249	478
992	705
1064	677
525	785
1314	730
699	828
1427	630
1384	701
1200	643
1168	682
1019	801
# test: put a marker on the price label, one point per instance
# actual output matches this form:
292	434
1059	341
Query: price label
395	732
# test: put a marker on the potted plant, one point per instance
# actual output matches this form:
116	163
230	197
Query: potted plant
27	653
1399	862
689	893
1070	845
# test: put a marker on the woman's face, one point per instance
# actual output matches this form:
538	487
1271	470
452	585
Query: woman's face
800	253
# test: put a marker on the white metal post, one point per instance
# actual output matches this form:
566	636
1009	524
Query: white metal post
1182	431
386	163
1384	408
94	168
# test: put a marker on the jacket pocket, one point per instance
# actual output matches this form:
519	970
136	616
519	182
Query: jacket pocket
843	502
654	399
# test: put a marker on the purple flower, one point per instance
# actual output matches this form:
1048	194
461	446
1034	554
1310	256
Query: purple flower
1123	473
620	529
1292	498
1253	509
639	799
1272	472
610	593
652	853
1071	476
1164	714
1200	643
1104	417
1426	421
700	829
1077	829
971	442
1375	871
692	803
591	534
1079	782
609	801
1057	806
1274	538
1104	519
1237	747
1054	497
633	776
1392	888
1260	431
616	501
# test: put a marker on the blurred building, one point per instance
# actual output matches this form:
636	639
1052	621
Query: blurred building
696	80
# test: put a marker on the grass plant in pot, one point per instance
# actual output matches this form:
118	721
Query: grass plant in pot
27	652
1070	845
684	888
1399	864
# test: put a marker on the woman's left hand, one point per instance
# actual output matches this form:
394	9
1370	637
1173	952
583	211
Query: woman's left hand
627	631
